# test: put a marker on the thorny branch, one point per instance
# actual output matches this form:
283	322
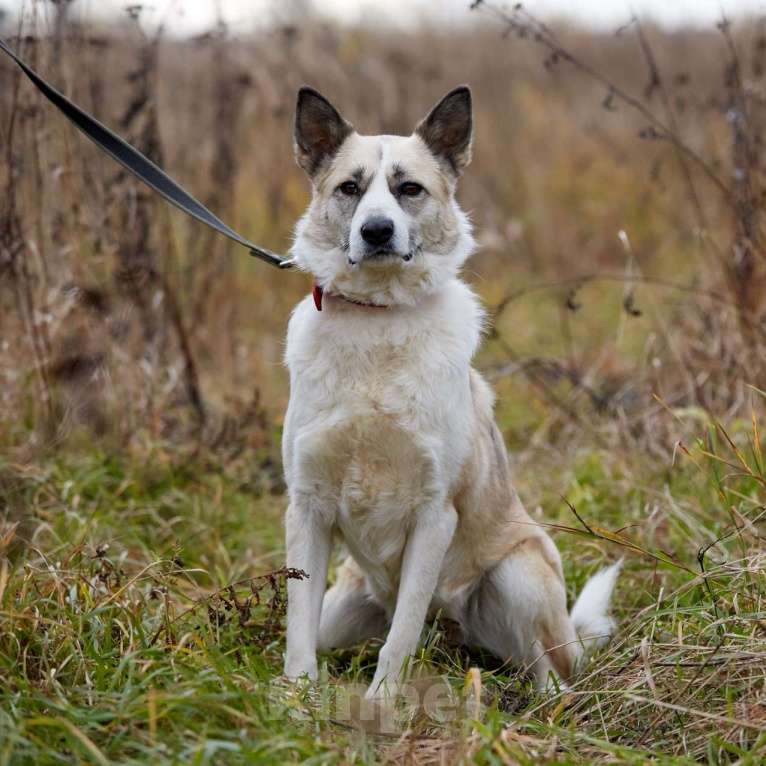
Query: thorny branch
256	584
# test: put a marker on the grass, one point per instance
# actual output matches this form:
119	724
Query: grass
120	641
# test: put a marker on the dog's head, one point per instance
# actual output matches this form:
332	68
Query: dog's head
383	225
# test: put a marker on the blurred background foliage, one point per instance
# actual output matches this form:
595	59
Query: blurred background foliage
120	315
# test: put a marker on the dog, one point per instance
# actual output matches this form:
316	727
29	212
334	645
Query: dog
389	438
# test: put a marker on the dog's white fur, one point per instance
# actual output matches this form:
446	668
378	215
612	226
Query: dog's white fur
389	440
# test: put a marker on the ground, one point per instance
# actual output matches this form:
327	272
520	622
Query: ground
132	631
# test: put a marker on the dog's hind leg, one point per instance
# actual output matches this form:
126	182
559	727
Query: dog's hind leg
519	613
349	613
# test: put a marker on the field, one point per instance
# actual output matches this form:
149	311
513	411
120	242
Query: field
617	191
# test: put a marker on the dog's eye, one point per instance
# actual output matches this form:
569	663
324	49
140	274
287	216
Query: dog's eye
349	188
410	189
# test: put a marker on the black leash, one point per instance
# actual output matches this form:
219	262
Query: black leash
139	165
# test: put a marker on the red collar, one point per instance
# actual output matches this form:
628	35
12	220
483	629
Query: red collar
318	294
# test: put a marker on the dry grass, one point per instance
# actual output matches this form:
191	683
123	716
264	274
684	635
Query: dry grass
141	390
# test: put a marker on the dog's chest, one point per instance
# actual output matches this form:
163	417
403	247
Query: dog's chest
365	446
372	411
384	475
364	426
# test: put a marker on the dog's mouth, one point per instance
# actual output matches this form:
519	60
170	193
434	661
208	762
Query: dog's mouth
382	255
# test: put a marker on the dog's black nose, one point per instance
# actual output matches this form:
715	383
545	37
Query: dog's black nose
377	231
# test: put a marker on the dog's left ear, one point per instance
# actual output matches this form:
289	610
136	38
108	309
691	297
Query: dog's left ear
448	129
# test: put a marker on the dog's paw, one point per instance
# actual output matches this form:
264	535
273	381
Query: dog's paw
297	668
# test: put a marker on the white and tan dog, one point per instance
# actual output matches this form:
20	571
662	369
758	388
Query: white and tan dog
389	439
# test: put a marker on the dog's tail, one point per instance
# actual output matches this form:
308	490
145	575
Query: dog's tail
590	614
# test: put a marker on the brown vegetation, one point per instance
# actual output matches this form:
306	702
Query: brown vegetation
120	314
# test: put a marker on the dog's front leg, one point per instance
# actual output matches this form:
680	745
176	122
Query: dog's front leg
421	565
308	538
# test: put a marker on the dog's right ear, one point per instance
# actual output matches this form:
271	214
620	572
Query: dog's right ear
319	129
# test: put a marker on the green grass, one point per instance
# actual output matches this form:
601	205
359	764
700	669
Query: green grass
120	642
